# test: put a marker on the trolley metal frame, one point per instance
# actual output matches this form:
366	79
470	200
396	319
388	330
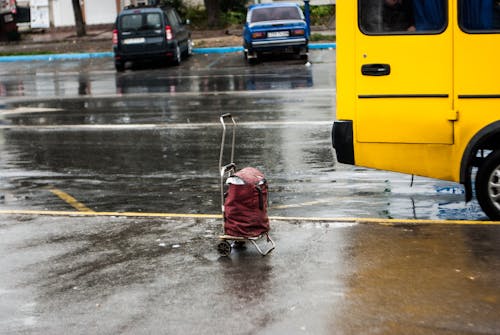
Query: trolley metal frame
228	242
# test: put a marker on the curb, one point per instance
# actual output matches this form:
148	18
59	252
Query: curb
77	56
54	57
217	50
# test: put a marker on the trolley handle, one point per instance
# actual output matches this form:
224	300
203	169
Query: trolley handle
230	167
226	115
222	120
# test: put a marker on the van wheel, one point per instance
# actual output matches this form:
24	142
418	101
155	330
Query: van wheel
119	66
488	185
177	56
189	50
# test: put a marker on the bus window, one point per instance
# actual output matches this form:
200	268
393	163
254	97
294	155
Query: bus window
479	15
401	16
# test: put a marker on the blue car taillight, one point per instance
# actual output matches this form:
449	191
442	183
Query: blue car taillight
258	34
298	32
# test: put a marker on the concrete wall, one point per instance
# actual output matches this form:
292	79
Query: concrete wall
95	12
61	13
100	11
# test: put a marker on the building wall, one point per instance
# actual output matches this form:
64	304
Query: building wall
100	11
95	12
61	13
105	11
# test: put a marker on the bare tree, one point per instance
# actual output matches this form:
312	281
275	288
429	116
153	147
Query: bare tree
80	24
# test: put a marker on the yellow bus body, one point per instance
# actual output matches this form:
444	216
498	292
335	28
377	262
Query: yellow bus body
435	112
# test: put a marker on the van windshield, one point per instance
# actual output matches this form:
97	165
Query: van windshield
142	21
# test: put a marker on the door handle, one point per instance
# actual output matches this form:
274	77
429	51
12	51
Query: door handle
375	69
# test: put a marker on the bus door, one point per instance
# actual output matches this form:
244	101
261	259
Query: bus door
404	72
477	74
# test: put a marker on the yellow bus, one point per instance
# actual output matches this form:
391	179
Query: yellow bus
418	91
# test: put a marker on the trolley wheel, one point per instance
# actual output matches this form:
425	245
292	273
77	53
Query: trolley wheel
224	248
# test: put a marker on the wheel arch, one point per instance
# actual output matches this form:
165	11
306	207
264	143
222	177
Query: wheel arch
488	138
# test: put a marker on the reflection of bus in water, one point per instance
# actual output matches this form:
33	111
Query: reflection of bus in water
418	90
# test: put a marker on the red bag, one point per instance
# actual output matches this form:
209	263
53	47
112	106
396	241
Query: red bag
245	204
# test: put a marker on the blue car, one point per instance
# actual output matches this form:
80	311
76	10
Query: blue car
275	28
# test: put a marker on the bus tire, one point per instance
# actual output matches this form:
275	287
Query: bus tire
488	185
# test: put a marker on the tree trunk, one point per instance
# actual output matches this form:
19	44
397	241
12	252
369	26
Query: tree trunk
80	25
213	12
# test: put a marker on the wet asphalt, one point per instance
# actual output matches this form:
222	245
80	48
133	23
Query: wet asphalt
76	136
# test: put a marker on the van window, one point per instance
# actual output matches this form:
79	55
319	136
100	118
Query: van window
140	22
173	19
153	21
402	16
479	15
131	22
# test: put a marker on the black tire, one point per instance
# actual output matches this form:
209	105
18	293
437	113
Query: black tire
189	49
488	185
119	66
255	59
177	57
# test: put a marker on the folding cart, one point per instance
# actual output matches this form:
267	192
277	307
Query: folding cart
244	202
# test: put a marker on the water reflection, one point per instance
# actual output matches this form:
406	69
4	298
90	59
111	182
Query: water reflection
85	78
284	78
175	170
11	88
84	86
138	83
145	150
245	277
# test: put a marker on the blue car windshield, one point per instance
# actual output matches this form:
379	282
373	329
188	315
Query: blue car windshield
275	14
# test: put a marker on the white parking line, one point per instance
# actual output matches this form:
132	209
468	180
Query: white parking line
133	96
82	127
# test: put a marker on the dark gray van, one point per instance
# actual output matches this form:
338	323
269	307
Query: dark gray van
150	33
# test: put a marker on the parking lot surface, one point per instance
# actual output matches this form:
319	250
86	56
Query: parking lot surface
110	210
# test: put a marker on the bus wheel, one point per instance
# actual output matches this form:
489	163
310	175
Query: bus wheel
488	185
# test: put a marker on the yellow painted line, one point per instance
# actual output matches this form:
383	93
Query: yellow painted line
302	204
388	222
70	200
379	221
